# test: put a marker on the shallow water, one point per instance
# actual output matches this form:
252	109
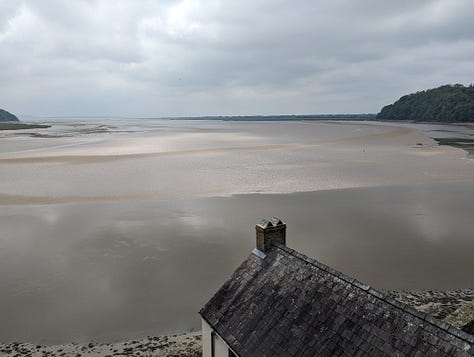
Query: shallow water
129	247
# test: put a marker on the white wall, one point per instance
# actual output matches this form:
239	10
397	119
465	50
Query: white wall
220	348
206	339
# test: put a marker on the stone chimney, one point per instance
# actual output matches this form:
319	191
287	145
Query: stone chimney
269	231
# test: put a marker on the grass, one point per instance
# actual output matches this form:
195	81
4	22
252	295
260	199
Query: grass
461	316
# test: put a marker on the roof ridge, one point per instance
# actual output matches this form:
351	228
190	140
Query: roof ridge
380	295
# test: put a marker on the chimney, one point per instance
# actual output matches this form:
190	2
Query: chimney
270	231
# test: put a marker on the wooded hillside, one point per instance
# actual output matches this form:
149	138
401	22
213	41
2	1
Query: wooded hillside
448	103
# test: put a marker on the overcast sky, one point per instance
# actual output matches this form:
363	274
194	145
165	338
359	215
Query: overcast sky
211	57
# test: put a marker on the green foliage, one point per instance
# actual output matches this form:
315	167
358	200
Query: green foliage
462	316
448	103
6	116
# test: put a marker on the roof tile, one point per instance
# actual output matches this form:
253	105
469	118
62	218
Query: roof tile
286	304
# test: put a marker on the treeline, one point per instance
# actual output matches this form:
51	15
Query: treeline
281	117
448	103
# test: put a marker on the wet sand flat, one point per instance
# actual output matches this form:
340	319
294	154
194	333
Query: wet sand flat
195	159
134	243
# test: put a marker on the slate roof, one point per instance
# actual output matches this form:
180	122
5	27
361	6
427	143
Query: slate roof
286	304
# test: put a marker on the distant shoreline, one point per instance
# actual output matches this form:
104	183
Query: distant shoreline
20	126
257	118
278	117
282	117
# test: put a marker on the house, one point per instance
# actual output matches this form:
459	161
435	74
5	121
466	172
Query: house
281	303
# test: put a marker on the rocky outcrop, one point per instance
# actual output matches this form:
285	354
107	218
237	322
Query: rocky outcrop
7	116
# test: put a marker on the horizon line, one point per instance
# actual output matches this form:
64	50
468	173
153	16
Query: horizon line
216	116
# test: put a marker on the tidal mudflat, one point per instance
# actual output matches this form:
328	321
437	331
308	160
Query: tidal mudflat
118	229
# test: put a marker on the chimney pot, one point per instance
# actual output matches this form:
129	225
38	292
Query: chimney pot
269	232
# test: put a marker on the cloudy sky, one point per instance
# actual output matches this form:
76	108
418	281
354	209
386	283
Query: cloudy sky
218	57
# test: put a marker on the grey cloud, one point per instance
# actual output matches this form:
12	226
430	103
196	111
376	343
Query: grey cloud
182	57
